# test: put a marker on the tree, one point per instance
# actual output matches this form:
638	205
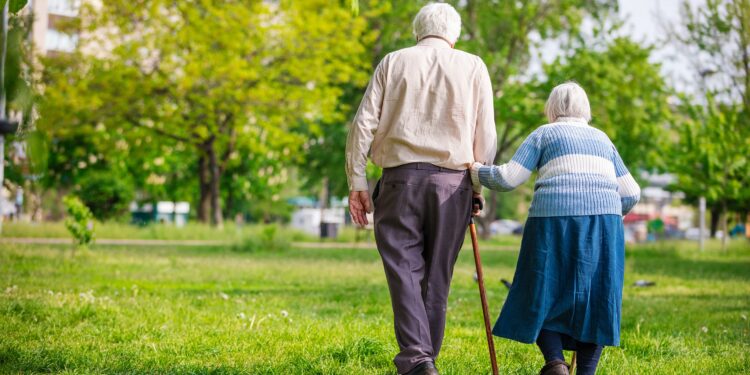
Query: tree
711	158
79	222
321	167
218	92
629	98
16	95
712	135
716	39
107	195
14	6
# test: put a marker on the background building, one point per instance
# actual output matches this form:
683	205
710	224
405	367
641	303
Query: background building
50	17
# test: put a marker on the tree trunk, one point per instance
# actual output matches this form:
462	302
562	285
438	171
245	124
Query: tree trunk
323	196
35	202
715	213
217	219
229	202
204	206
725	236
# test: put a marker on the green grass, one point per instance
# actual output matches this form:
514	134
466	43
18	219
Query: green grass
210	310
196	231
113	230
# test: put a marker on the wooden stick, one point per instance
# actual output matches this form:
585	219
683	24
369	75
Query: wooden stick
573	363
483	296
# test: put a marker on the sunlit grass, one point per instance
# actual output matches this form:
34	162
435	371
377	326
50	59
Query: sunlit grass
230	232
211	310
115	230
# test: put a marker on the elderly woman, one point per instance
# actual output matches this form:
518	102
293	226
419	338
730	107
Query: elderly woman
567	289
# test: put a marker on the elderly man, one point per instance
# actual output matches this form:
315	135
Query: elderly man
427	112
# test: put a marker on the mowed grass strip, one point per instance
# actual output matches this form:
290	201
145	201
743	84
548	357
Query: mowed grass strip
211	310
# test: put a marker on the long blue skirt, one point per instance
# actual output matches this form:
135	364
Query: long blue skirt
568	280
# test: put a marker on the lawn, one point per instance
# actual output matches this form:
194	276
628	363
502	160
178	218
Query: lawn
114	230
211	310
228	234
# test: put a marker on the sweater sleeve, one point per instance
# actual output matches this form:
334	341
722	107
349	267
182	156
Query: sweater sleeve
510	175
630	192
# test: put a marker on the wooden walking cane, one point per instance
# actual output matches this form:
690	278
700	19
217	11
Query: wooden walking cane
573	363
483	296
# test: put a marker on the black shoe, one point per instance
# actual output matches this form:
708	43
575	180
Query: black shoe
555	367
424	368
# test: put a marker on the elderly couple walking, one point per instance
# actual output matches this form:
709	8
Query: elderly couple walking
427	118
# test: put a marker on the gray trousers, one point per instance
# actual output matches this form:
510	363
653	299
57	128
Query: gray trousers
421	215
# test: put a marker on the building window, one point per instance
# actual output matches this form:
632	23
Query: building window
57	41
67	8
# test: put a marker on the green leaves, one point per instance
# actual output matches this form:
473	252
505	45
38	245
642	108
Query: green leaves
79	221
15	5
628	96
236	84
710	155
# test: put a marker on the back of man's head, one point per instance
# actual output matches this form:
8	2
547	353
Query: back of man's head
437	19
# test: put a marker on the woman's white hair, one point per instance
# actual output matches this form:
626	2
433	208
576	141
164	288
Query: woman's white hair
568	100
438	19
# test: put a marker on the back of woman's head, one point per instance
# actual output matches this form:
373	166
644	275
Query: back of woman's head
567	100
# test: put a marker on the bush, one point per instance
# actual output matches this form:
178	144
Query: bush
79	221
108	195
268	239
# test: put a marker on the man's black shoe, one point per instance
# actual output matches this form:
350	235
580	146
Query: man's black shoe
424	368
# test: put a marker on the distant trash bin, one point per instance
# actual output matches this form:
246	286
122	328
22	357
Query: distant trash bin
181	212
162	212
329	230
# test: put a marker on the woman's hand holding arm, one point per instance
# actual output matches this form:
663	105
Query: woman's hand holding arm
510	175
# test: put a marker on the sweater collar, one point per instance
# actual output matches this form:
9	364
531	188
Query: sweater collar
578	121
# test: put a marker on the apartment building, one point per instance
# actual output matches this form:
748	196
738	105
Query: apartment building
49	16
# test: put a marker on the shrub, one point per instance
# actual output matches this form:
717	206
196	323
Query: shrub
107	194
79	221
268	239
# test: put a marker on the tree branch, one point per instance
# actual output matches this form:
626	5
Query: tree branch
137	124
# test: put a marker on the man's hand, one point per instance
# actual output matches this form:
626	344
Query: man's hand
476	206
359	206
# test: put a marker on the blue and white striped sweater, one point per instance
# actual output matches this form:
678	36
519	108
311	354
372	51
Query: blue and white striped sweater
580	172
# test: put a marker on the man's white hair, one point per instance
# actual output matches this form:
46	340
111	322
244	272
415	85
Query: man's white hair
438	19
568	100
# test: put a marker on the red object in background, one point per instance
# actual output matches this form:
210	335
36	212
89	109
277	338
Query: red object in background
670	220
634	218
